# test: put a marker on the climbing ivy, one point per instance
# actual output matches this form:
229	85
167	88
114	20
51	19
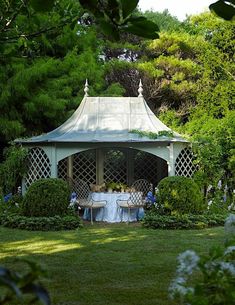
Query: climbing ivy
153	135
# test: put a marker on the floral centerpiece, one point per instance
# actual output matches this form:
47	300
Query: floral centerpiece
116	187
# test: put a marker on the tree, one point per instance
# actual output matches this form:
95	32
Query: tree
115	16
32	73
188	79
165	21
210	120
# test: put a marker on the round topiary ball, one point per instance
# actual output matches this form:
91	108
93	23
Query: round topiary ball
180	195
46	197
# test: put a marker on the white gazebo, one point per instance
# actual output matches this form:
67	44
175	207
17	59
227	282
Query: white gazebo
100	143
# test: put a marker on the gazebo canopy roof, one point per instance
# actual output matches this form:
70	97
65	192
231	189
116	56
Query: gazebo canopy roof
108	119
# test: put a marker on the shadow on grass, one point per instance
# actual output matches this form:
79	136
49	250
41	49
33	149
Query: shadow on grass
106	263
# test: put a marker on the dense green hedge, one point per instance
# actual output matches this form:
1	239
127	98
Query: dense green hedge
55	223
155	221
46	197
180	195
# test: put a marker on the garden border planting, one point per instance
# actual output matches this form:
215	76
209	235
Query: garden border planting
155	221
55	223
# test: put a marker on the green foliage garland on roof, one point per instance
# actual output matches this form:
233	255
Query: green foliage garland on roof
153	135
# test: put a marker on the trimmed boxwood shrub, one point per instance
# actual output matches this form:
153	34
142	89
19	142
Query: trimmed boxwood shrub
156	221
54	223
180	195
46	197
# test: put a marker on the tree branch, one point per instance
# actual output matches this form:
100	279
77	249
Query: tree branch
35	34
13	17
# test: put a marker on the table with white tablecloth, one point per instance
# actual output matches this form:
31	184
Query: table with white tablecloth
112	212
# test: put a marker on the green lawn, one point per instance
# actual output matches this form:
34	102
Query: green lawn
106	264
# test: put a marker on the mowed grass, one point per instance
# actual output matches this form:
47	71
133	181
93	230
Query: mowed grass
115	264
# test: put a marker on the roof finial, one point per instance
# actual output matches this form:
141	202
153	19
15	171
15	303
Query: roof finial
86	88
140	90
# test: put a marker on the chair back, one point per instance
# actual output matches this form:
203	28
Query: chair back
136	198
81	188
142	186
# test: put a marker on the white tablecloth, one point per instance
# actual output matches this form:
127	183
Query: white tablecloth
112	212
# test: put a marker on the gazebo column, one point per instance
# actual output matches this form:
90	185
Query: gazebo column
54	168
99	166
70	167
23	187
159	169
130	166
171	164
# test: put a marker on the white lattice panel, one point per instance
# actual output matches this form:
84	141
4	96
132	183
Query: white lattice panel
38	166
145	167
184	163
62	169
115	166
84	166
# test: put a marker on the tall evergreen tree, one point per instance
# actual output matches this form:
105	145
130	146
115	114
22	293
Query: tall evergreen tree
42	78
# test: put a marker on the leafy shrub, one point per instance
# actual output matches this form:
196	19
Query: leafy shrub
180	195
13	168
55	223
20	285
1	195
12	206
155	221
15	200
215	274
216	203
8	209
46	197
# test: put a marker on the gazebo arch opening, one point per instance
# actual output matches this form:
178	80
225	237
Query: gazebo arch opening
115	164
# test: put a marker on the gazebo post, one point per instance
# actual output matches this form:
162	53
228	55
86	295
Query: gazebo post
54	168
130	166
23	187
159	169
100	166
70	167
171	165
